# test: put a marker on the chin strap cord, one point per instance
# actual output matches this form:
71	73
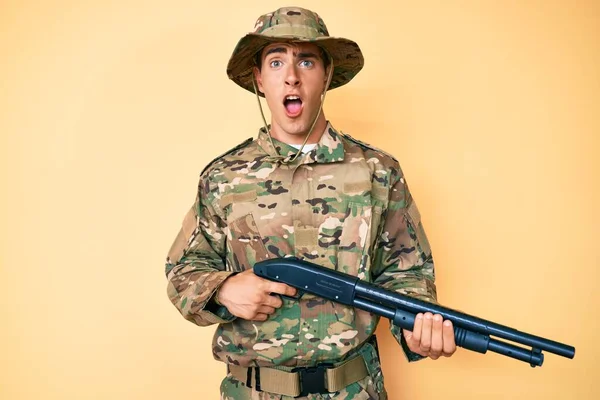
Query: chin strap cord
279	157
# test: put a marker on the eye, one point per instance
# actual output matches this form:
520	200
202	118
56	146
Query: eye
275	64
306	63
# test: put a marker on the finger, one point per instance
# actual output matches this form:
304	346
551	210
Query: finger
279	288
266	310
425	343
290	291
272	301
449	342
418	326
437	340
415	335
260	317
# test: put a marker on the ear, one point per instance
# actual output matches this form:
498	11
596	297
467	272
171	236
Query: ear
258	79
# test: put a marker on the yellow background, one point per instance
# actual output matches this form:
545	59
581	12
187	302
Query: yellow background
110	109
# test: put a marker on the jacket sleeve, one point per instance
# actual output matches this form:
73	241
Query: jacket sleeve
195	265
402	258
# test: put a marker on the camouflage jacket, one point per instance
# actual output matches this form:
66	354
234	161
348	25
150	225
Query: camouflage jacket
343	205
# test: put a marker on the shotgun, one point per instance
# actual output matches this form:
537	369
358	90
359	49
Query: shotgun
470	332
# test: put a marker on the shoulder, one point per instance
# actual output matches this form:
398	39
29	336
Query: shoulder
371	153
222	159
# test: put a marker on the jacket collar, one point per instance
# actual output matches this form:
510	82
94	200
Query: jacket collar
329	149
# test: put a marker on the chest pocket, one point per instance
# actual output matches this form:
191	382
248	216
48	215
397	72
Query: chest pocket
360	230
244	241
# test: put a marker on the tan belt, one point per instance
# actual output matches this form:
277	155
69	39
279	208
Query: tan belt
302	381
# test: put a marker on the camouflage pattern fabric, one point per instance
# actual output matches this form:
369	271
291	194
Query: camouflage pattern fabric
343	205
294	24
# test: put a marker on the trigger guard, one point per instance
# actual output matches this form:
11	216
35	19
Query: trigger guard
299	295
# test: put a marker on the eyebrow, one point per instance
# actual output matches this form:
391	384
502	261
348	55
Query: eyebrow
307	55
276	50
284	50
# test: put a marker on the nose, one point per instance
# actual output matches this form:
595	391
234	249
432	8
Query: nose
291	78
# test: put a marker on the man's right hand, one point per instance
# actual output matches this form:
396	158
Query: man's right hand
249	296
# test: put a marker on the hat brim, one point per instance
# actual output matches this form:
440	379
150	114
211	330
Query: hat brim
346	55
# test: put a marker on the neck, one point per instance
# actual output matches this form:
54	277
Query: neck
298	138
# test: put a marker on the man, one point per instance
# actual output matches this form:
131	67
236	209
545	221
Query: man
301	189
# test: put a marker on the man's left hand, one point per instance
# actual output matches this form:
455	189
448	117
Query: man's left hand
431	336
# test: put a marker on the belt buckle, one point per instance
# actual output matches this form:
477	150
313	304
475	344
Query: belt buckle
312	379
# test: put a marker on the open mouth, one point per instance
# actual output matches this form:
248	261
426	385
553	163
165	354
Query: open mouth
293	105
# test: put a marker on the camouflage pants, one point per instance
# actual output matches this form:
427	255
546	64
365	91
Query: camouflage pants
232	389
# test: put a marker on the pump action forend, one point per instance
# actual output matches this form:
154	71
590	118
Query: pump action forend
470	332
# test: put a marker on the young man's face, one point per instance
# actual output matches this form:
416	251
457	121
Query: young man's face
292	78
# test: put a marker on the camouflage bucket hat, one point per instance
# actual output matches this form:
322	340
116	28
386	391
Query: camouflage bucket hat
289	25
